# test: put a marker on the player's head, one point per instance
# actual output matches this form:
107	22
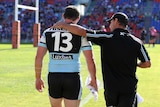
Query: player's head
72	14
152	27
118	19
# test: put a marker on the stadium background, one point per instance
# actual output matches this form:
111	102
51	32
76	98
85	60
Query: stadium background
142	13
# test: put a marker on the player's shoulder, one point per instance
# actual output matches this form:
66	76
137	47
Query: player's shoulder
55	30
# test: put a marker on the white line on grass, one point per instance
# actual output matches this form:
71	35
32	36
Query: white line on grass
88	97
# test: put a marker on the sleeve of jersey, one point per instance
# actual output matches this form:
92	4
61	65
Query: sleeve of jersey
86	45
42	41
97	37
143	56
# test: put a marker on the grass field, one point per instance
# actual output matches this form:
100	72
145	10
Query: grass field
17	79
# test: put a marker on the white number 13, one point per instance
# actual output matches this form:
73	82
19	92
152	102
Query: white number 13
57	36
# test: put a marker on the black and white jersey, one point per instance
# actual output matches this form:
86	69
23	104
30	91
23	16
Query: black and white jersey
64	49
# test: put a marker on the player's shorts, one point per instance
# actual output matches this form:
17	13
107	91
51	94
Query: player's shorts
114	99
65	85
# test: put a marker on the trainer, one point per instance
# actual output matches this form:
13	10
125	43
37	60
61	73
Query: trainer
120	53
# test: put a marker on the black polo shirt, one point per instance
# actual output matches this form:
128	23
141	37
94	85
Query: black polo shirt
120	51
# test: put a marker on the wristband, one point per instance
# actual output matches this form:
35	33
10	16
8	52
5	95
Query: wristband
38	68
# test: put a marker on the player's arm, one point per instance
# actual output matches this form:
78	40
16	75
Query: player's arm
73	28
41	51
88	53
91	67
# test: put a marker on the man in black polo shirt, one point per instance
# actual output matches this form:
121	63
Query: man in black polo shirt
120	52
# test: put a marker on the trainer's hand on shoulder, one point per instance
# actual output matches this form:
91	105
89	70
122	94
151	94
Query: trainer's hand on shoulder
39	85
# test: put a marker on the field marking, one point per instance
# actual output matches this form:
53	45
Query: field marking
88	97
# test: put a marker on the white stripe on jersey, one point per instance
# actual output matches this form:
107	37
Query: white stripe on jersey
99	35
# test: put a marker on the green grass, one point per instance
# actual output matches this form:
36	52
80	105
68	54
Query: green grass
17	79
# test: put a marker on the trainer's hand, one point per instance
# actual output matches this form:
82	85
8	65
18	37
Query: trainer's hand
39	85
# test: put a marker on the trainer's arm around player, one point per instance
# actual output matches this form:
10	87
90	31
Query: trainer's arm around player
81	31
74	28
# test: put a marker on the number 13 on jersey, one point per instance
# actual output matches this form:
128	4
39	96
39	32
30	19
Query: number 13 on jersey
62	38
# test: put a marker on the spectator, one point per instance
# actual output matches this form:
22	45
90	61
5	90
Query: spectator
153	35
143	35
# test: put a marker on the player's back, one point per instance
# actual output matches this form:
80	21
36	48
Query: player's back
64	50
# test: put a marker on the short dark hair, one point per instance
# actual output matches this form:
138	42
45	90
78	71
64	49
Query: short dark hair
71	12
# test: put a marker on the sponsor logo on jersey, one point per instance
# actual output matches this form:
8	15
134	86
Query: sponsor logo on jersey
59	29
62	57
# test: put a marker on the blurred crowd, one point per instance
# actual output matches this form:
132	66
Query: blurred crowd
95	17
104	9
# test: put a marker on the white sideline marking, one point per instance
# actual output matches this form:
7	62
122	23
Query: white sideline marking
88	97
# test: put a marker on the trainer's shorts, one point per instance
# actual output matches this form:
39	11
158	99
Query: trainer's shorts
114	99
65	85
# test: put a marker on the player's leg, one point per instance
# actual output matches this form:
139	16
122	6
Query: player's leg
154	41
55	102
71	103
54	89
72	90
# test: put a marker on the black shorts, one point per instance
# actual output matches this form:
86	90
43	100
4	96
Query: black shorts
65	85
152	37
114	99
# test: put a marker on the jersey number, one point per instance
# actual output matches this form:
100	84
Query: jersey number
66	40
